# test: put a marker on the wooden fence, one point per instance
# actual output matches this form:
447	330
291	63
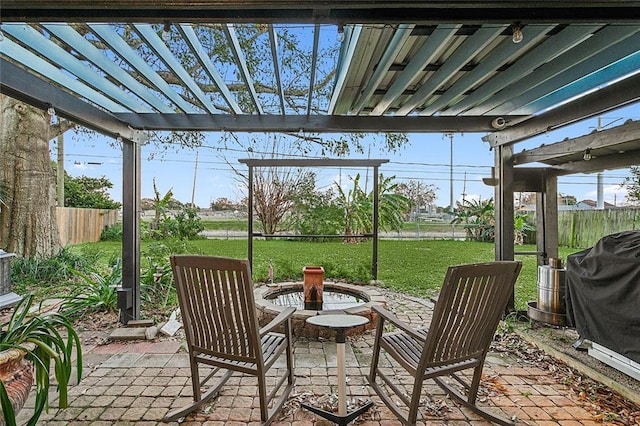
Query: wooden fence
583	228
83	225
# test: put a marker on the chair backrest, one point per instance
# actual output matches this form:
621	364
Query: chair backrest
472	300
217	306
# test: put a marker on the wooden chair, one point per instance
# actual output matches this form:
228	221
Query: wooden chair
221	325
472	300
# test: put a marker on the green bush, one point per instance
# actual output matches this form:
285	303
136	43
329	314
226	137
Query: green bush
156	279
185	225
112	233
44	272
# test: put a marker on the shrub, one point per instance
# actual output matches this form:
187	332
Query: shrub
94	293
112	233
61	267
156	279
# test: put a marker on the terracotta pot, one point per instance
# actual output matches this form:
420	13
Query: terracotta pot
16	374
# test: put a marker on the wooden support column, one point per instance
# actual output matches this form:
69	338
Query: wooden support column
250	219
129	293
504	203
376	197
504	248
547	219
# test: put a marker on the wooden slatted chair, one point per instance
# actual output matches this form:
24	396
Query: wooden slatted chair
222	331
471	303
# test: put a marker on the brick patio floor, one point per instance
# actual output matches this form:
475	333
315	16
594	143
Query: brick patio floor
137	383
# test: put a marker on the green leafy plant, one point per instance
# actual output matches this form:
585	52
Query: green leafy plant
112	233
478	217
186	224
36	272
39	337
95	293
156	279
521	227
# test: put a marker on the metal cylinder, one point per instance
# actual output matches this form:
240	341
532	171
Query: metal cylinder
551	289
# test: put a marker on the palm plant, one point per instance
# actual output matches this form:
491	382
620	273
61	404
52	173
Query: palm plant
41	338
358	206
391	204
478	219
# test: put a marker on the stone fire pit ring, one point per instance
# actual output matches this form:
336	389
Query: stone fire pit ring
267	310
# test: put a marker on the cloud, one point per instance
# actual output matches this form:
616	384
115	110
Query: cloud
611	193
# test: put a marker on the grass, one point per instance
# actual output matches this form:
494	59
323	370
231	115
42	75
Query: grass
241	225
412	267
225	224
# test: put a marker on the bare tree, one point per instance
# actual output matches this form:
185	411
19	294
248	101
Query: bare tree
275	189
632	184
274	193
419	194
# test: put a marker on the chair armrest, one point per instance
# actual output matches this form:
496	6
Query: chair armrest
416	334
282	317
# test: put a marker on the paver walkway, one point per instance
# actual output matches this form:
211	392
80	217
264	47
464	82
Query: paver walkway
137	383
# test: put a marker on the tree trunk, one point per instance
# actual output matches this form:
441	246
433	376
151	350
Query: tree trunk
28	217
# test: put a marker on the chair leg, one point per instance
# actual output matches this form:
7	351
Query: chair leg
475	384
388	401
415	400
195	379
200	401
289	355
375	357
454	394
268	414
262	396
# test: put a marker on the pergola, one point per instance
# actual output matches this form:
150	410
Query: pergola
404	66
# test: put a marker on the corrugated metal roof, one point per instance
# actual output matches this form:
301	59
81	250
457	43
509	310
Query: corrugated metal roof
149	73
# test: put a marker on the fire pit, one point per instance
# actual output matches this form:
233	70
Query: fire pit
336	297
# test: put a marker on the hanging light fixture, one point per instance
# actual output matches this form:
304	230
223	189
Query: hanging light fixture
51	111
517	36
166	32
340	33
587	154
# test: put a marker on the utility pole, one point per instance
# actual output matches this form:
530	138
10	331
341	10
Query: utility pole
193	190
450	136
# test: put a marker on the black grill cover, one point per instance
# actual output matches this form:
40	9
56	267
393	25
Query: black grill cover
603	293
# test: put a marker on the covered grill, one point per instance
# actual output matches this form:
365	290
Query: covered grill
603	293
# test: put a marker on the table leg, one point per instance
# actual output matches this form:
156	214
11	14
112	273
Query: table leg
342	418
342	379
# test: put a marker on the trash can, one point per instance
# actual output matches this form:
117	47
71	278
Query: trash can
550	306
551	289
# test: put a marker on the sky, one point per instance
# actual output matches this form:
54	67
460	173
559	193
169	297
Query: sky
427	158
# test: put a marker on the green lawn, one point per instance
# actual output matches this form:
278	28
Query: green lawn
412	267
241	225
225	224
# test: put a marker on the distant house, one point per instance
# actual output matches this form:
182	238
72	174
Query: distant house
580	205
592	205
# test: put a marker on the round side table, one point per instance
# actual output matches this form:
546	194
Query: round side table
340	323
